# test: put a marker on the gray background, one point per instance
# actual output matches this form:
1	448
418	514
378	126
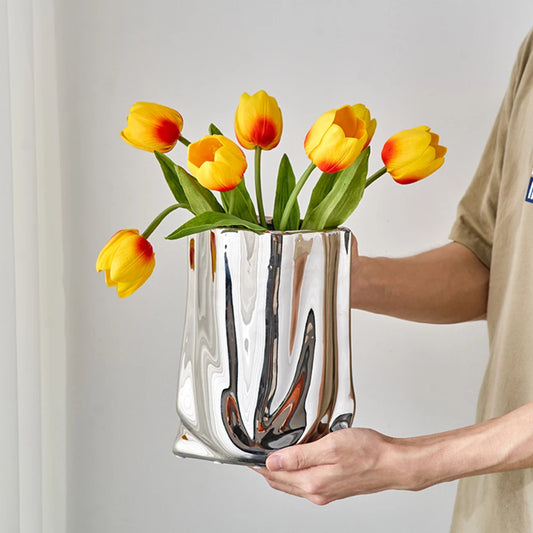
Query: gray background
411	62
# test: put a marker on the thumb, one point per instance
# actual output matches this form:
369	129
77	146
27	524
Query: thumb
296	457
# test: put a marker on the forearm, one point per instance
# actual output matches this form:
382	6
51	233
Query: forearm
497	445
445	285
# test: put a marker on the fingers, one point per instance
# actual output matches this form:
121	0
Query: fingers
303	483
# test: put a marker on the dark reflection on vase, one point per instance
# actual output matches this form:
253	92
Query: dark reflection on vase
280	306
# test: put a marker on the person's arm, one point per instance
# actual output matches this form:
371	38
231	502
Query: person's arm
445	285
361	461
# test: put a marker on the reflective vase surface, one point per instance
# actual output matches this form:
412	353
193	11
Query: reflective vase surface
266	354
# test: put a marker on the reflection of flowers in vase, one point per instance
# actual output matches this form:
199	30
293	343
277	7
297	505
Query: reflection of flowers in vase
338	144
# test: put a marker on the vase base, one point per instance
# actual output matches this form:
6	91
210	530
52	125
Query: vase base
187	446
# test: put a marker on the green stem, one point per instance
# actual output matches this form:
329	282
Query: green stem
375	176
159	218
293	196
258	192
183	140
231	206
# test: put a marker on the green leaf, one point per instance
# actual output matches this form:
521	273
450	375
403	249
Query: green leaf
284	186
211	220
213	130
169	171
321	190
342	199
200	199
238	202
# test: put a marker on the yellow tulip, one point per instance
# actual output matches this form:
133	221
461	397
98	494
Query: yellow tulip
258	121
413	154
216	162
152	127
337	138
128	260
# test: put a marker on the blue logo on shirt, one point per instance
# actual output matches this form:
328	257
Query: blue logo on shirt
529	194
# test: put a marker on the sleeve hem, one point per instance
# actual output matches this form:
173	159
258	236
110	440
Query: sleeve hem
473	242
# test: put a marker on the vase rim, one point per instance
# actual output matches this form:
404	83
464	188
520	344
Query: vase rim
339	229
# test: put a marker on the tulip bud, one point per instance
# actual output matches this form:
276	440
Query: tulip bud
337	138
413	154
152	127
258	121
216	162
127	260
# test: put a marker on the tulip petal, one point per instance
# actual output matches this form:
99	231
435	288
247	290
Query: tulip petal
132	260
405	146
416	165
316	133
419	173
412	155
258	121
361	112
338	137
203	150
105	257
440	151
218	176
350	124
108	281
152	127
231	155
216	162
127	260
126	289
336	151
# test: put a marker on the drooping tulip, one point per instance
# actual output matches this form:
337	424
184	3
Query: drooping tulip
258	121
413	154
152	127
128	261
216	162
337	138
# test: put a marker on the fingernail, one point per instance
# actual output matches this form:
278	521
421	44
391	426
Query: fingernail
274	463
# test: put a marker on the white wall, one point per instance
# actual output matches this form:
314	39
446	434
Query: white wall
411	62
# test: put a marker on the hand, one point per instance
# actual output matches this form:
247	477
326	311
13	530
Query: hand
341	464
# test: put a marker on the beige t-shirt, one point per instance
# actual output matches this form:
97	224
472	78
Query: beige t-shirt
495	220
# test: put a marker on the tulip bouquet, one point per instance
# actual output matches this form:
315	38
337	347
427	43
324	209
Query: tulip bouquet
338	144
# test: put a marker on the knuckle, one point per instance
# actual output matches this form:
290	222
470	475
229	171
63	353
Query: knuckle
309	486
297	459
313	487
333	449
318	500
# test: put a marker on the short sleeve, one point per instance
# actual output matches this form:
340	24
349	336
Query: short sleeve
477	210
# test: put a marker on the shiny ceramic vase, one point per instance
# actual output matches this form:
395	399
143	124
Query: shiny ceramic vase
266	354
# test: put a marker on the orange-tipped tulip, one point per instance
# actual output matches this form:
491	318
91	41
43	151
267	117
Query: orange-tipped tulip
216	162
413	154
258	121
152	127
337	138
127	260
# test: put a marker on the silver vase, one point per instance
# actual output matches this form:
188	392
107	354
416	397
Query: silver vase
266	356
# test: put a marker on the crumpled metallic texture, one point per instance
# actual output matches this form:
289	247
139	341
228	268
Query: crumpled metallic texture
266	355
